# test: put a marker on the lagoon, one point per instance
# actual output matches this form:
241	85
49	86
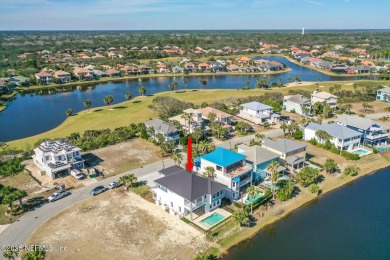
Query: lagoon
349	223
42	110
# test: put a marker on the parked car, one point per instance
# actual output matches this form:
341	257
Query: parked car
113	185
97	190
58	195
77	174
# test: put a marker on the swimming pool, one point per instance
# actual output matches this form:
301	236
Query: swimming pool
212	220
249	199
361	152
383	148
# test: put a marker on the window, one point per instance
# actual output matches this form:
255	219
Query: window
171	204
47	158
219	168
179	209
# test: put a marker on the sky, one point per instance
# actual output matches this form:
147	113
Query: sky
193	14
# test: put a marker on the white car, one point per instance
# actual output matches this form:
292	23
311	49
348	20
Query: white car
77	174
58	195
113	185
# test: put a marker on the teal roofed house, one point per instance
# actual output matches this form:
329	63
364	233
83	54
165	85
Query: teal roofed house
230	169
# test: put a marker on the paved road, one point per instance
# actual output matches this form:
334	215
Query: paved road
19	231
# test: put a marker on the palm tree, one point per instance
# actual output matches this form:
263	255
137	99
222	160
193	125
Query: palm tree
197	134
297	79
173	85
289	80
177	157
142	90
212	117
128	95
202	83
348	108
322	135
36	254
188	118
260	137
241	217
273	169
185	80
69	112
108	100
128	180
365	106
209	172
87	103
252	193
284	128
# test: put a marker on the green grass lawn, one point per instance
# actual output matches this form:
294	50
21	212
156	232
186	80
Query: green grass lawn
137	110
140	189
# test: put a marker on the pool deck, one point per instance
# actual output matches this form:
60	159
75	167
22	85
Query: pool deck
360	154
197	219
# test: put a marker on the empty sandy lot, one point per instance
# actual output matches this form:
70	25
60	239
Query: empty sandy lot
118	225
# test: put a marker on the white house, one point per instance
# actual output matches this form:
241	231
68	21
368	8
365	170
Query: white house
296	103
183	193
342	137
258	113
322	96
230	169
168	130
190	124
55	157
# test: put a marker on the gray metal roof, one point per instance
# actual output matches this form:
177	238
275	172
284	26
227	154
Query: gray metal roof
298	99
335	130
170	170
283	145
189	185
385	89
259	155
161	126
358	122
256	106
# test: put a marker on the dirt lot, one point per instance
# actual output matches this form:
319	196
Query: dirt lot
124	156
379	107
118	225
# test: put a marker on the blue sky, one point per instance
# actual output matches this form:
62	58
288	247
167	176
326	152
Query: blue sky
193	14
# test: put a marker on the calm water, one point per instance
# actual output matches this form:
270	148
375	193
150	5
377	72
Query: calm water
349	223
32	114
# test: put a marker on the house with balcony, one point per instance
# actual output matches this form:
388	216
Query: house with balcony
44	77
56	157
260	158
62	76
342	137
383	94
190	120
258	113
292	154
297	103
169	131
230	169
220	116
184	193
322	96
83	74
373	133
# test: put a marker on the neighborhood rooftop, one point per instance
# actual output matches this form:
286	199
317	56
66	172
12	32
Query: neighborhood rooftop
258	154
358	122
160	125
334	130
256	106
56	146
170	170
283	145
299	99
223	157
189	185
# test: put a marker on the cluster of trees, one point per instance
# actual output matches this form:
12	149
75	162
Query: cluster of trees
11	167
309	177
216	127
167	106
10	194
93	139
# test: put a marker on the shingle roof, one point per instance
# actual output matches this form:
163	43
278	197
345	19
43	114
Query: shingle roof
323	95
189	186
161	126
259	155
298	99
43	74
207	110
170	170
358	122
385	89
255	106
283	145
223	157
334	130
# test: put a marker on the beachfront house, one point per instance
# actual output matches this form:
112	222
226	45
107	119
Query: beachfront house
56	157
383	94
341	136
169	131
297	103
44	78
190	120
292	153
322	96
184	193
258	113
62	76
373	133
230	169
260	158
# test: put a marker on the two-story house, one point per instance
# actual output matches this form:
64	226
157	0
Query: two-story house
322	96
44	77
259	158
383	94
190	120
230	169
341	136
184	193
83	74
169	131
220	116
62	76
55	157
258	113
292	153
373	133
297	103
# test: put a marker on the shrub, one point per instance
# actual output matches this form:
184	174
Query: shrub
334	150
237	204
327	145
350	156
286	189
313	188
313	141
307	176
298	135
351	170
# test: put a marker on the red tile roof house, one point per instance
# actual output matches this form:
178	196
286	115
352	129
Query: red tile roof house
130	70
233	68
204	67
113	73
189	66
162	68
83	74
44	77
62	76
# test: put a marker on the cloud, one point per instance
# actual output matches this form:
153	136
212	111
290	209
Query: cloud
314	2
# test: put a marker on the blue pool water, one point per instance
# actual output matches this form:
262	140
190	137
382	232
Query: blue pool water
383	149
212	220
249	200
361	152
